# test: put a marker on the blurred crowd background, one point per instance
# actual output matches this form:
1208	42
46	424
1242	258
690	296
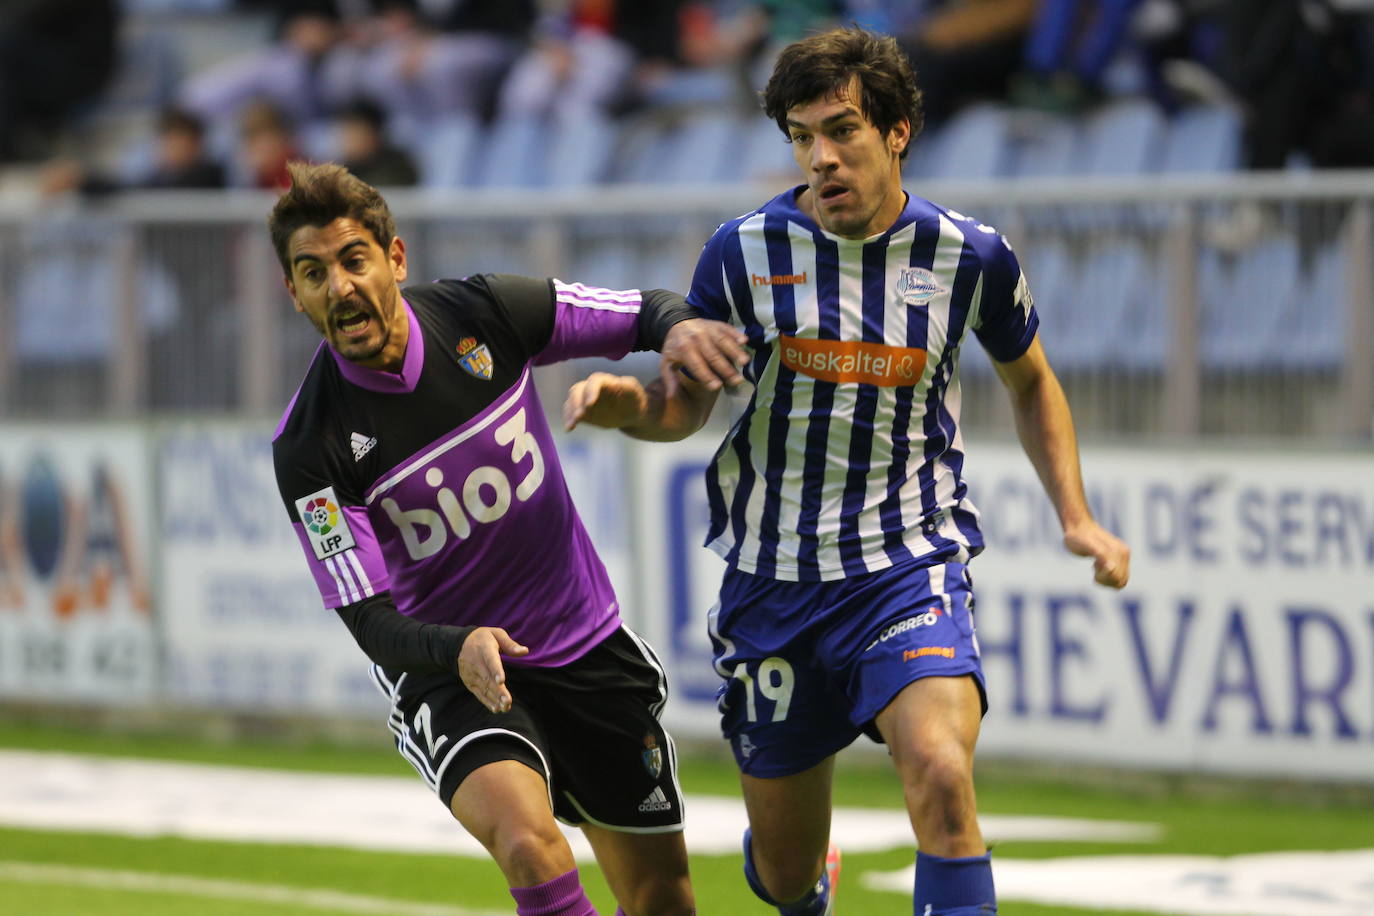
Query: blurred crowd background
99	95
1185	181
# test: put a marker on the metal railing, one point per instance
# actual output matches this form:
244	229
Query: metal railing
1232	306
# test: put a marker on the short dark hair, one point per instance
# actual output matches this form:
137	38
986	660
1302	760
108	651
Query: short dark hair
179	120
825	64
320	194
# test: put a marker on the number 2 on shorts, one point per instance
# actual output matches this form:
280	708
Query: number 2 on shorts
780	693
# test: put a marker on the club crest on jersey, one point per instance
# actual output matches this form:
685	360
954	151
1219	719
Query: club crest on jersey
918	286
474	358
324	523
653	756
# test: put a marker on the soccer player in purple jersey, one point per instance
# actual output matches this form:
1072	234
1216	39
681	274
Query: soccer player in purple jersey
420	474
837	499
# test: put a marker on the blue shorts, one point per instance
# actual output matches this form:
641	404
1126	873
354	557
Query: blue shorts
809	665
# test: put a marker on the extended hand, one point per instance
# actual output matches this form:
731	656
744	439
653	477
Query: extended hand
602	399
1111	556
479	665
711	352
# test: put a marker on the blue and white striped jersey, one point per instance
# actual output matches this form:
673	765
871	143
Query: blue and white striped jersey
848	457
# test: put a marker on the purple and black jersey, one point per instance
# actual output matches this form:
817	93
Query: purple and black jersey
440	483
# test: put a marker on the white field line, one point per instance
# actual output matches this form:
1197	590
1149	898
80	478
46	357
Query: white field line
53	791
146	882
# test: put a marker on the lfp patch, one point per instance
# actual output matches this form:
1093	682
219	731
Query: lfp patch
918	286
325	525
474	358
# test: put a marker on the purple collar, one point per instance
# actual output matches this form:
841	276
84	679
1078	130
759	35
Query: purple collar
382	380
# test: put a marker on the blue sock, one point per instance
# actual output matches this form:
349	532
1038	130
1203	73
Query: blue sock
813	904
954	887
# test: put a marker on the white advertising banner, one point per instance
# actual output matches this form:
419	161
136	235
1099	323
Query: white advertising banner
75	546
1244	642
244	624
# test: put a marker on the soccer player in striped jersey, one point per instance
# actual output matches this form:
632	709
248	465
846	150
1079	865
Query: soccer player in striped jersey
837	498
420	474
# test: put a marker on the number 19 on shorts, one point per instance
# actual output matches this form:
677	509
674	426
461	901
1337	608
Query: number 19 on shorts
774	682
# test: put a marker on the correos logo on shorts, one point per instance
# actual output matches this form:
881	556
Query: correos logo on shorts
914	622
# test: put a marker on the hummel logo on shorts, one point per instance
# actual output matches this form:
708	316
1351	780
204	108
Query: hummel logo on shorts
361	445
656	801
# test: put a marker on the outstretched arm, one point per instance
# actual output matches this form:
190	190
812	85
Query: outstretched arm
642	411
1045	428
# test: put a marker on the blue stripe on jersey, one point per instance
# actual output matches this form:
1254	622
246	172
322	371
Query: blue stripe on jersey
737	277
917	336
865	409
779	248
822	402
939	423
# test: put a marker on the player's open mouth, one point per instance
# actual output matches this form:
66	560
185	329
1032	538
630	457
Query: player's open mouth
352	323
832	192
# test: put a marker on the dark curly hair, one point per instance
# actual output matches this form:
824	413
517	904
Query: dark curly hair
320	194
825	64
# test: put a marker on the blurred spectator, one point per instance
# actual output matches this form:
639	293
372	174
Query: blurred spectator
366	152
965	50
181	161
426	61
599	56
289	73
54	56
1304	71
1069	47
267	142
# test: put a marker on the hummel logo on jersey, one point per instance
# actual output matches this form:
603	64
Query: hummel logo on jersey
656	801
361	445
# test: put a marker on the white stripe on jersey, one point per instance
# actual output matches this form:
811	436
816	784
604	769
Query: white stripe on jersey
364	580
345	591
594	297
496	413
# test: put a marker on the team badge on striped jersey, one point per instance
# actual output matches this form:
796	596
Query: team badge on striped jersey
474	358
653	756
918	286
325	525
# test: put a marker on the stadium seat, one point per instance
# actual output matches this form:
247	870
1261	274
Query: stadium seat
1046	146
1204	138
581	151
1314	321
974	144
767	154
1242	304
701	149
514	153
1049	271
447	155
1125	138
1101	299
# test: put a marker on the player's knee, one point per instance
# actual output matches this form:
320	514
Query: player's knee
661	898
787	879
530	851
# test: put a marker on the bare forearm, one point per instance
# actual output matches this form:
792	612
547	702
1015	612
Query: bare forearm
1044	425
669	419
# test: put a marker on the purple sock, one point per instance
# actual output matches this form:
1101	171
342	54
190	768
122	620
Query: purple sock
563	896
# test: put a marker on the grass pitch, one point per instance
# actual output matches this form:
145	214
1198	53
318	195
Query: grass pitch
56	872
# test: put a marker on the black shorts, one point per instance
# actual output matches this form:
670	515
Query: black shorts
590	727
